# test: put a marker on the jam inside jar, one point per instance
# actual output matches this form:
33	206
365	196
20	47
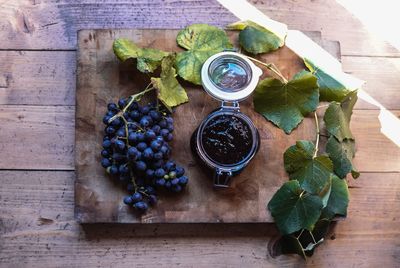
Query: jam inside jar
227	140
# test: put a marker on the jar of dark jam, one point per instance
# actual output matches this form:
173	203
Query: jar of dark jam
227	140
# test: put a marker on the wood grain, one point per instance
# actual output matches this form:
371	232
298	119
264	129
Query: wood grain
53	24
47	132
48	77
37	77
37	229
37	137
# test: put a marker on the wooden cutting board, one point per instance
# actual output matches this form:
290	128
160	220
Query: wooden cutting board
102	79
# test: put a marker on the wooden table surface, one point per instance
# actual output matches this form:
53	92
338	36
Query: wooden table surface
37	97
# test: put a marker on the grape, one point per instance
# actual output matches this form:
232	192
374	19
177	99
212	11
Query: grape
179	171
150	135
156	145
158	156
163	123
172	174
112	107
105	162
128	200
133	153
123	169
141	166
169	137
141	206
133	138
156	129
135	150
106	118
164	149
135	114
145	109
157	164
137	197
121	103
145	122
140	136
110	130
106	144
134	106
105	153
114	170
141	146
150	190
116	122
183	180
176	188
160	182
149	173
152	199
119	145
156	116
121	132
164	132
148	154
169	166
159	173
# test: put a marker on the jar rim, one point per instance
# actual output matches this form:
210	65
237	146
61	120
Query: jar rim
224	95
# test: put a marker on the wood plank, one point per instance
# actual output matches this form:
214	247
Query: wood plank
48	78
37	78
28	132
354	37
53	24
381	76
37	229
37	137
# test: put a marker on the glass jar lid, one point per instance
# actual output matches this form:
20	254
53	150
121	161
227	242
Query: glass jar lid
229	76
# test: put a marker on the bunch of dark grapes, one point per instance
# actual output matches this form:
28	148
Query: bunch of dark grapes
136	151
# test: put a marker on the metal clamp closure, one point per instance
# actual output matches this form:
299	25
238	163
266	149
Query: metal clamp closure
231	105
222	178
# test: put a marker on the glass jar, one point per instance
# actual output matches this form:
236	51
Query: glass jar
227	140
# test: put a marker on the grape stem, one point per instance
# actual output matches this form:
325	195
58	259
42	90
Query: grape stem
271	67
133	98
317	128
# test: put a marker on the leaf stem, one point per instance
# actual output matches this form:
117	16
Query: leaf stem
271	67
317	141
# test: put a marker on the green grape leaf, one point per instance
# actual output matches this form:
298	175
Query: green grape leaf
201	41
286	104
329	88
255	38
170	92
341	154
294	209
304	242
337	117
148	59
289	244
338	199
326	192
313	173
